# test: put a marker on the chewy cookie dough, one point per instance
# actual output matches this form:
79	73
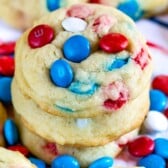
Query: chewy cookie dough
22	13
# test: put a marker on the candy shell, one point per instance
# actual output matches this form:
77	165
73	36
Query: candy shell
5	89
63	161
73	24
104	162
76	48
61	73
161	147
113	42
10	132
152	161
141	146
53	4
40	36
155	121
157	100
19	148
39	163
160	82
6	65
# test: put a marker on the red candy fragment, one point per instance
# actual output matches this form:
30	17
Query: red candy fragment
102	24
141	59
116	95
160	82
40	36
51	148
114	104
6	65
20	149
7	48
141	146
80	11
113	42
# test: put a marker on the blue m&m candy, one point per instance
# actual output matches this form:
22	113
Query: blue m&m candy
63	161
76	48
5	89
10	132
61	73
131	8
161	147
39	163
104	162
152	161
53	4
157	100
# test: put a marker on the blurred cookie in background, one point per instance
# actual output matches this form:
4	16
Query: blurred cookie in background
21	14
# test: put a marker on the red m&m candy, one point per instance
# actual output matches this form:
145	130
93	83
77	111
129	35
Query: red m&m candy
141	146
20	149
40	36
6	65
113	42
7	48
160	82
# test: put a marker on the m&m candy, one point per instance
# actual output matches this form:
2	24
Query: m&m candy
76	48
157	100
155	121
152	161
141	146
39	163
40	36
5	89
11	132
160	82
104	162
63	161
161	147
61	73
73	24
6	65
113	42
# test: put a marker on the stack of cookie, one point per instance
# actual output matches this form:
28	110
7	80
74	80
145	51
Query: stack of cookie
81	84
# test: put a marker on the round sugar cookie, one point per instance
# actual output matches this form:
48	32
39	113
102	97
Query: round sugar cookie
136	9
83	61
48	151
80	132
22	13
13	159
3	117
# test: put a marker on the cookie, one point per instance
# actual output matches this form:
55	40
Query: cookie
83	61
80	132
136	9
11	159
48	151
3	116
22	13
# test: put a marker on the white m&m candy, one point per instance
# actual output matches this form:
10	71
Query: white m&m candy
73	24
155	121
